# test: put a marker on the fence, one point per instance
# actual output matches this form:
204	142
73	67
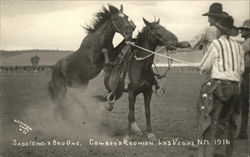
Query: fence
13	70
176	68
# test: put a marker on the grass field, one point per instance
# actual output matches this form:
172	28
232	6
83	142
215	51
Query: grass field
50	57
25	98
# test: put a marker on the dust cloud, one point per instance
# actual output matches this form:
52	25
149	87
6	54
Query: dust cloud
86	118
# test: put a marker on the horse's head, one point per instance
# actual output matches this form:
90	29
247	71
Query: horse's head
160	36
123	24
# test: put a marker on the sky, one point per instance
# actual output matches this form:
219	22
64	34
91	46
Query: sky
58	24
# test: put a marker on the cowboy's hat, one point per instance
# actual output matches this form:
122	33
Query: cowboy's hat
215	9
226	25
245	25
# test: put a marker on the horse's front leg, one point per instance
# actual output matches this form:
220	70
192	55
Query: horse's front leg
147	99
132	125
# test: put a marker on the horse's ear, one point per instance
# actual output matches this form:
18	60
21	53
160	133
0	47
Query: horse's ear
112	8
158	22
121	8
146	22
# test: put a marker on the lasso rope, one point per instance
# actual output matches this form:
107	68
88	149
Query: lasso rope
164	56
142	58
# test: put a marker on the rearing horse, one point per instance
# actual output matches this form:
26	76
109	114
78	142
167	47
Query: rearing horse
140	73
87	62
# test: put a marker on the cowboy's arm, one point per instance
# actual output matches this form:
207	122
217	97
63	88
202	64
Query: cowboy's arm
183	44
195	42
198	39
207	61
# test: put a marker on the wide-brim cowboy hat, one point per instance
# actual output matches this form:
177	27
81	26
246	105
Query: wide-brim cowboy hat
245	25
215	9
226	25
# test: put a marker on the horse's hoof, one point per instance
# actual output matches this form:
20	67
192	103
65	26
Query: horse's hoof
135	129
109	107
152	137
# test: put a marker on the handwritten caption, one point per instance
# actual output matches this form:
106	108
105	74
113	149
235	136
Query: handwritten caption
23	127
53	142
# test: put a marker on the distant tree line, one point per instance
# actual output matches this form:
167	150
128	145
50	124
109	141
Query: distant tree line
9	53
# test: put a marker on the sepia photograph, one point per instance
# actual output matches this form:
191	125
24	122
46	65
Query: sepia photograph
134	78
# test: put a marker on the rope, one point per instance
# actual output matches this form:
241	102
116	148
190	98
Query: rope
164	56
142	58
157	74
170	61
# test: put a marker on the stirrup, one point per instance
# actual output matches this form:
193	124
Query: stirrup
111	101
160	92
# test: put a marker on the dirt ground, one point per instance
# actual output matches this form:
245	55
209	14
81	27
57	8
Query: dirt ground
25	103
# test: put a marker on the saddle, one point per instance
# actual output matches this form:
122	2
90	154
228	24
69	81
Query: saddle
115	74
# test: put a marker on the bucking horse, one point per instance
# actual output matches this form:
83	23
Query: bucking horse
76	69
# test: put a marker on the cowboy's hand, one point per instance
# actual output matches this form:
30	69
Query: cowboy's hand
183	44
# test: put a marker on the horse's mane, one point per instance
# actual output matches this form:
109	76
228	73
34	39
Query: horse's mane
141	36
101	17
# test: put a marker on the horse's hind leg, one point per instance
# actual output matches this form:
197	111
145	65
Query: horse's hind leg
77	96
147	99
58	94
60	106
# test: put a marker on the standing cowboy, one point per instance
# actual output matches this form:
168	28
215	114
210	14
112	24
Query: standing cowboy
245	33
205	37
224	61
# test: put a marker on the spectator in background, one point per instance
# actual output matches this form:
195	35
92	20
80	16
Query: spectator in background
245	33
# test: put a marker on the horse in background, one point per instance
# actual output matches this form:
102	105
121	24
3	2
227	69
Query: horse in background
76	69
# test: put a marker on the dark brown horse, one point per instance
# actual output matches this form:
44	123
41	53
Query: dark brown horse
87	62
141	75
